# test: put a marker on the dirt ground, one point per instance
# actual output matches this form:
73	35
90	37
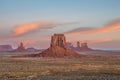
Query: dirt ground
85	68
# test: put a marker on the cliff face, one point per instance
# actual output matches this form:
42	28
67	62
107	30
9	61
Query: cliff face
57	48
58	40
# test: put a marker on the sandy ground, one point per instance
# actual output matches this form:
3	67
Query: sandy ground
105	67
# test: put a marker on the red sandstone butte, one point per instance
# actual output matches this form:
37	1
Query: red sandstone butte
57	49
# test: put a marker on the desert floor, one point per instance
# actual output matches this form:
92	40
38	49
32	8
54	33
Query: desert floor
91	67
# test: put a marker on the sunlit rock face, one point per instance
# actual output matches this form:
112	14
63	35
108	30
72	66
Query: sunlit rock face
58	40
57	48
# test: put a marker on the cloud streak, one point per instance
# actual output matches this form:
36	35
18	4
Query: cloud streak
32	27
113	25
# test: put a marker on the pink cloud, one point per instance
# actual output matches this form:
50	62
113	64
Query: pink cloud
32	27
112	25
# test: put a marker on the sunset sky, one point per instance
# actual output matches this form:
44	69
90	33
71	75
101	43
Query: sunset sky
34	21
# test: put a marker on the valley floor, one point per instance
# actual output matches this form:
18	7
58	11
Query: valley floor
84	68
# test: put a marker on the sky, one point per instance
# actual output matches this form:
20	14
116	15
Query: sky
96	22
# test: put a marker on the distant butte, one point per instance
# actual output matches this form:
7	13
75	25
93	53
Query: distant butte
20	48
83	47
6	48
80	47
57	49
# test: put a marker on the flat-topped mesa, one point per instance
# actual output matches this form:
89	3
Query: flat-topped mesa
58	40
6	48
